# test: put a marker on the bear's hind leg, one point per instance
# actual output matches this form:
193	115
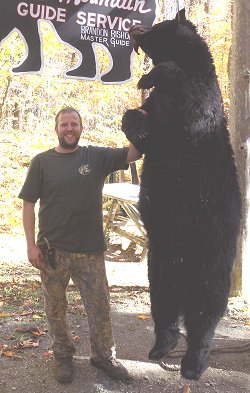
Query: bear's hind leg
194	362
165	309
165	341
204	306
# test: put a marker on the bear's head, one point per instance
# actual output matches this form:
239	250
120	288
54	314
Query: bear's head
172	40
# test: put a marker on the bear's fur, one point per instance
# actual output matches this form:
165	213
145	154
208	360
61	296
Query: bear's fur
189	197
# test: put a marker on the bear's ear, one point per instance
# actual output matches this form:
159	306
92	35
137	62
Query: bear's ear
180	16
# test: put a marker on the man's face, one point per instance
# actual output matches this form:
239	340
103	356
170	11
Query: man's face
68	130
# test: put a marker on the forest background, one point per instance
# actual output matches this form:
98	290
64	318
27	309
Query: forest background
29	103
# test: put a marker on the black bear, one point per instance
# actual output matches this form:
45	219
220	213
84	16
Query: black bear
189	200
82	24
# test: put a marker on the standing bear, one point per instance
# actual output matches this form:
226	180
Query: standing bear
189	200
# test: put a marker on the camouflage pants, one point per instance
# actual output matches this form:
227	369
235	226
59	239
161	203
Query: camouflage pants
88	273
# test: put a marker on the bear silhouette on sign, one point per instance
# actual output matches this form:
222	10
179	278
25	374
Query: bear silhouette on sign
189	200
109	22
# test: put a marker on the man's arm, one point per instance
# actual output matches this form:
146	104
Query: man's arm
34	253
133	154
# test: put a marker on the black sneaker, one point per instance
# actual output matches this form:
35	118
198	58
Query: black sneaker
112	368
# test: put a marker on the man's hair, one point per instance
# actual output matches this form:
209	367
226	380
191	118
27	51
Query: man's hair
68	109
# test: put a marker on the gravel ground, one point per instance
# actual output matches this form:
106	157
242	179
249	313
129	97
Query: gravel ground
30	370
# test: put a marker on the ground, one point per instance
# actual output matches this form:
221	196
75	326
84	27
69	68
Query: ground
25	353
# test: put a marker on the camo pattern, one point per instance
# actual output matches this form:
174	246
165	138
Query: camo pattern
88	273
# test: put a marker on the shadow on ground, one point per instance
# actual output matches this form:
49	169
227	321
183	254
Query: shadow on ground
28	369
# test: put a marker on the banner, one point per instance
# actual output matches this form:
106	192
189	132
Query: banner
81	24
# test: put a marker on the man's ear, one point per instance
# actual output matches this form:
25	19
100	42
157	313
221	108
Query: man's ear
180	16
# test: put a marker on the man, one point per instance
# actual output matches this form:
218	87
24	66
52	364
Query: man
68	180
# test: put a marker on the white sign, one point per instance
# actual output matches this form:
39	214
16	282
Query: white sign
172	7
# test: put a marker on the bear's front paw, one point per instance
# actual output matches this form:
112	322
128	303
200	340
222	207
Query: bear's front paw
134	124
135	127
146	82
162	76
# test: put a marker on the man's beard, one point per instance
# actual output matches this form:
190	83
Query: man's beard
66	145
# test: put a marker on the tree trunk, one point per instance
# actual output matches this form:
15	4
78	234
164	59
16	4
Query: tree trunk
5	94
239	121
134	174
15	116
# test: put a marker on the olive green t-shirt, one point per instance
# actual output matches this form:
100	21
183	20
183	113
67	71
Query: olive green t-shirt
69	186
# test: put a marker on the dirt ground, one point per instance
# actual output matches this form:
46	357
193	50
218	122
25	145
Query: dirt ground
25	355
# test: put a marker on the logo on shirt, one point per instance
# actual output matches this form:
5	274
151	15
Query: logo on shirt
84	169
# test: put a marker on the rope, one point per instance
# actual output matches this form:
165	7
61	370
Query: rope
242	348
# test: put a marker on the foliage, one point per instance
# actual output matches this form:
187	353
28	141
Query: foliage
213	19
28	103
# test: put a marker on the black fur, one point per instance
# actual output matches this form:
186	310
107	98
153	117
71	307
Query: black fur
189	198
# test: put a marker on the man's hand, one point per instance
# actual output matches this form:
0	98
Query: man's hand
35	257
